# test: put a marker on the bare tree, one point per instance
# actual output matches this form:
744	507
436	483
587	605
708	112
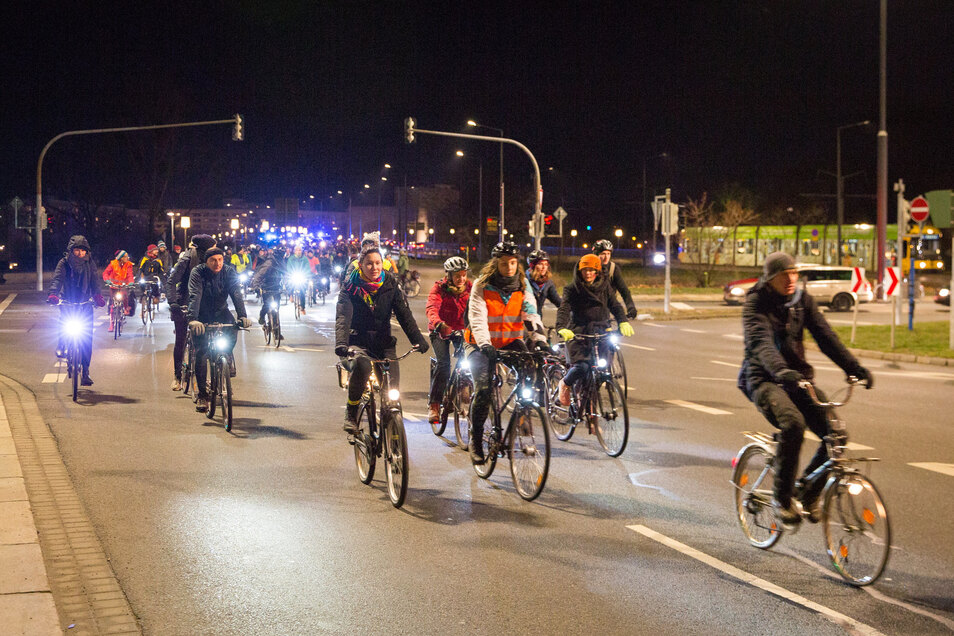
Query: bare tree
708	231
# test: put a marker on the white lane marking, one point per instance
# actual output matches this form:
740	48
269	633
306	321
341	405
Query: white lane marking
733	336
415	416
838	618
652	324
920	375
60	363
630	388
6	302
692	330
945	469
696	377
632	346
698	407
102	319
850	445
725	364
52	378
682	306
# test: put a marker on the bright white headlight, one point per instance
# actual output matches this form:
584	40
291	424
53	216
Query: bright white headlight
273	305
614	339
855	488
737	291
221	343
526	394
337	269
465	365
659	259
73	327
555	348
119	296
394	395
601	362
298	280
324	281
944	293
142	280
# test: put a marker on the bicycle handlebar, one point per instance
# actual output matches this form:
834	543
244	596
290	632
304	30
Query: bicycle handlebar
352	353
810	389
71	303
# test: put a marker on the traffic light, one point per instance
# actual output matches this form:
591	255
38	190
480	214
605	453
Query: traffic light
409	124
238	133
548	222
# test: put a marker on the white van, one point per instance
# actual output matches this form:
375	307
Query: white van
831	285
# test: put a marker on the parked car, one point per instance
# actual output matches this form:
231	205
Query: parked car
828	285
943	297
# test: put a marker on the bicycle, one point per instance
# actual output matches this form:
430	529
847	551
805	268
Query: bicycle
457	394
219	382
117	310
322	289
188	365
380	434
74	329
296	292
150	298
273	325
597	399
850	508
525	443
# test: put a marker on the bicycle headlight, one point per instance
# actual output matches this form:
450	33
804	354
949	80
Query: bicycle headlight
614	339
119	296
601	362
337	269
324	281
555	348
142	281
855	488
465	365
221	343
298	280
243	277
526	393
73	327
273	305
394	395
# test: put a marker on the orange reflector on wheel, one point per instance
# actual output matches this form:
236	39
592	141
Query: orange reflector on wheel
843	551
744	480
869	516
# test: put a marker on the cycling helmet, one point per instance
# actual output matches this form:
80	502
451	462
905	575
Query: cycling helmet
536	256
455	264
602	245
505	248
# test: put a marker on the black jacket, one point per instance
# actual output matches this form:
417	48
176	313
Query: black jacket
615	276
546	291
268	275
588	309
356	323
177	290
209	295
774	328
77	283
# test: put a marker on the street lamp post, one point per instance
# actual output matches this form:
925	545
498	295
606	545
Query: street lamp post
618	233
840	183
573	234
474	124
645	204
172	229
185	223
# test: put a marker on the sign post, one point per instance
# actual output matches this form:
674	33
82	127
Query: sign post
857	286
667	215
892	288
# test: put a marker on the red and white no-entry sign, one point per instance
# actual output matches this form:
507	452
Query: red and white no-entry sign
919	210
892	278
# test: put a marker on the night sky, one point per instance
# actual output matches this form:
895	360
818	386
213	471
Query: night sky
746	93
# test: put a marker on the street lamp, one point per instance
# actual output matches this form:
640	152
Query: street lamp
185	223
840	182
172	229
573	234
473	124
618	233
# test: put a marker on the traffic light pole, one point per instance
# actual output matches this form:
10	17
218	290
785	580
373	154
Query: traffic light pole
410	131
238	135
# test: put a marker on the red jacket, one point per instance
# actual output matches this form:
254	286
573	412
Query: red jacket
444	306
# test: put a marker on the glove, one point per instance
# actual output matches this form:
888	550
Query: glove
53	299
423	346
790	378
341	351
490	352
566	334
865	376
197	327
245	322
99	300
631	314
626	329
444	330
540	345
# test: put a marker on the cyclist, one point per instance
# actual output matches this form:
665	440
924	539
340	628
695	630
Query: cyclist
539	276
268	277
366	302
446	311
588	305
75	281
604	249
150	267
165	257
178	297
120	272
371	239
240	260
298	270
211	284
501	301
774	318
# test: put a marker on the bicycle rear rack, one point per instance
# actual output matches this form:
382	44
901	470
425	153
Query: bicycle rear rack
761	438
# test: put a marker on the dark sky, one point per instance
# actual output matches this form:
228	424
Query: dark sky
746	92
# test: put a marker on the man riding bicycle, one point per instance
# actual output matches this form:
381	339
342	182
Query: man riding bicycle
211	284
177	294
774	319
268	277
446	311
299	270
500	302
604	249
152	272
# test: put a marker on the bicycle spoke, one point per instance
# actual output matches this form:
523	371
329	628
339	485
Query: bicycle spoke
529	451
857	532
753	479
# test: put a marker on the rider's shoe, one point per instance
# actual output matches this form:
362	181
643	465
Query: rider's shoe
351	419
177	385
61	353
302	311
808	497
86	380
261	320
434	413
564	394
110	328
477	450
787	515
201	403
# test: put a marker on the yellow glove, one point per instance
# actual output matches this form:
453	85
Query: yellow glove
626	329
566	334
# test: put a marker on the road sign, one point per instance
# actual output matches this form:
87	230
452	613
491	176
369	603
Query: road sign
559	213
919	210
857	279
892	278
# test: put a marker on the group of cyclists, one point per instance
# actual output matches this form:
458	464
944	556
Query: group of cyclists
499	309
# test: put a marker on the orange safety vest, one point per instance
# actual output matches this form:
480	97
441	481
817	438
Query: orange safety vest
504	320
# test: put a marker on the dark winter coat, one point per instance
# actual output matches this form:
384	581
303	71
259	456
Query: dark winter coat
76	280
587	309
615	277
178	288
268	275
545	291
774	327
357	324
209	295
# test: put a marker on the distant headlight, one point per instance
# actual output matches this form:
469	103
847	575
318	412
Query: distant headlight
394	395
324	281
659	259
142	280
944	293
736	291
337	269
922	265
119	296
221	343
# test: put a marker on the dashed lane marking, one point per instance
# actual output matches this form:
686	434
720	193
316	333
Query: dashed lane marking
640	347
944	469
6	302
652	324
733	336
414	416
852	625
693	330
695	377
52	378
725	364
698	407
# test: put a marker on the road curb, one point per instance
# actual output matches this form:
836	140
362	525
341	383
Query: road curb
85	590
893	357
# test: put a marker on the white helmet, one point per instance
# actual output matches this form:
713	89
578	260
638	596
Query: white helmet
455	264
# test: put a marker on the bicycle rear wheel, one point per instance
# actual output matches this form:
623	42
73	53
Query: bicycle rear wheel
561	419
529	451
857	532
114	317
153	303
276	329
226	386
463	394
267	328
612	418
297	308
364	455
413	288
396	461
753	479
619	372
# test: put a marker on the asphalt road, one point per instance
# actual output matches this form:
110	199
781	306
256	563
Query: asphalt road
267	530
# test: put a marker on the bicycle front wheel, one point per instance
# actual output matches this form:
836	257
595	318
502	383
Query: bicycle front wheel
212	385
364	455
490	441
396	461
612	418
73	367
276	329
619	372
529	451
561	420
754	478
463	394
413	288
144	310
226	386
857	532
153	303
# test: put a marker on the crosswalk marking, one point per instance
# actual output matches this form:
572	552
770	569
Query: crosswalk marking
52	378
698	407
682	306
6	302
945	469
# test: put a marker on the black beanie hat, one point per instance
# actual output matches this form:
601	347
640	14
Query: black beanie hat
203	241
213	251
776	263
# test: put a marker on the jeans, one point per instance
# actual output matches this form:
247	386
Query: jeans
481	372
792	412
202	354
442	353
361	371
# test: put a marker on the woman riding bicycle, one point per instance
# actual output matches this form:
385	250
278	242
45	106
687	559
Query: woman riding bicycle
366	302
589	303
500	302
446	313
539	276
120	272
